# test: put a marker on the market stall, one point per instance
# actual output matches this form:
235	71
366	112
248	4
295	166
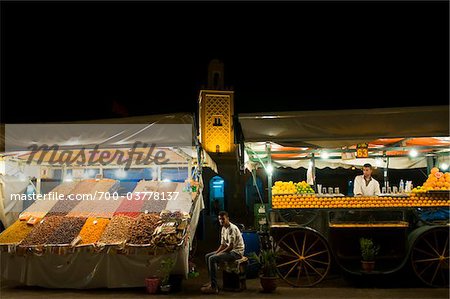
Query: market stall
90	231
313	227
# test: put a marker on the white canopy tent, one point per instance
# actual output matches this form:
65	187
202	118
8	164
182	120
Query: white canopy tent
291	139
173	136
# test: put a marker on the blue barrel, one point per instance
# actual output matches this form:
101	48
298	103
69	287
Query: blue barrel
251	241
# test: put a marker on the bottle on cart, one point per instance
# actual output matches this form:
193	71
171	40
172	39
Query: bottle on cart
401	187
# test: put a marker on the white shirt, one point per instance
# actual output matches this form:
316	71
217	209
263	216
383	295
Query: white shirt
232	234
360	188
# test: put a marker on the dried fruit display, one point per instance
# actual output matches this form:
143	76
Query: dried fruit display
96	208
63	207
43	231
92	230
153	206
84	187
130	207
65	188
118	230
167	235
15	233
38	209
146	186
41	207
143	228
67	230
169	215
106	185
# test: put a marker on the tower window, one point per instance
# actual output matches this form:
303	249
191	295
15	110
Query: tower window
217	121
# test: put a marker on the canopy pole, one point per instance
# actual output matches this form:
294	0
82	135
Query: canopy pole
63	173
190	170
159	172
269	175
430	163
313	161
38	185
386	178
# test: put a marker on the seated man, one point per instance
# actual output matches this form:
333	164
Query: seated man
231	249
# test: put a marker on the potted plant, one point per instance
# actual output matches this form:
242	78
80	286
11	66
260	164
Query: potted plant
268	277
368	252
152	284
165	269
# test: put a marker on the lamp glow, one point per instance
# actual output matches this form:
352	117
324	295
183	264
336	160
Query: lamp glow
68	178
120	173
324	155
22	177
378	162
269	169
444	166
413	153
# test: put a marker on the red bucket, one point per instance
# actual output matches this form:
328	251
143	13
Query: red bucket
152	284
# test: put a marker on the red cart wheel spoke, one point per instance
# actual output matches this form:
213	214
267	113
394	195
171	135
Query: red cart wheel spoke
303	270
429	257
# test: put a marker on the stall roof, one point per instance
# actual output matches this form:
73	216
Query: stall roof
392	132
338	128
173	133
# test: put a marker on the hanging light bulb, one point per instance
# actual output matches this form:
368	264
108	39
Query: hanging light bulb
378	162
324	155
444	166
269	168
121	173
413	153
68	178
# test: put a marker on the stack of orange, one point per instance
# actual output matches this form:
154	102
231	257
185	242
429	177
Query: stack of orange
436	181
313	202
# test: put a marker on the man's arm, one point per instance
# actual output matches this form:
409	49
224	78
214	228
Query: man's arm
377	189
221	248
232	241
230	246
357	190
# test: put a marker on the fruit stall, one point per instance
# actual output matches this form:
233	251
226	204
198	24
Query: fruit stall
313	228
89	231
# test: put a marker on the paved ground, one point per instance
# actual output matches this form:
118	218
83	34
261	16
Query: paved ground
401	286
334	286
191	290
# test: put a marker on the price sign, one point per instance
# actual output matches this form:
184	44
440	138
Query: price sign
362	150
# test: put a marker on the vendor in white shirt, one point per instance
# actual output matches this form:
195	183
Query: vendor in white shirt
365	184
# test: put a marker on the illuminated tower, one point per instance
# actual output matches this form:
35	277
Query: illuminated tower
216	109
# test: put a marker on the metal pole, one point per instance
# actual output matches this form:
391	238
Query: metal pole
430	163
313	160
269	176
385	172
38	185
189	170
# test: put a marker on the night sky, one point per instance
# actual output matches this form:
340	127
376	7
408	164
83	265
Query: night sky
64	61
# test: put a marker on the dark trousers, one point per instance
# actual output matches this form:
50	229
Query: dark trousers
213	260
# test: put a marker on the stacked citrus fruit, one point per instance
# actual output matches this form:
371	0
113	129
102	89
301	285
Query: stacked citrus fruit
436	181
304	188
284	187
313	202
292	188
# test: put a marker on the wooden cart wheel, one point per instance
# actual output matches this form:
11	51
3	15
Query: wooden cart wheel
430	257
302	217
303	258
